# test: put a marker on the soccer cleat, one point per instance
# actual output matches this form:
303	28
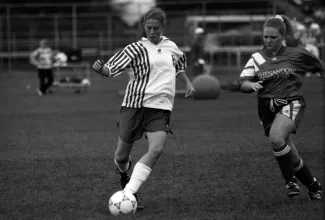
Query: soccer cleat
315	191
124	176
293	188
140	206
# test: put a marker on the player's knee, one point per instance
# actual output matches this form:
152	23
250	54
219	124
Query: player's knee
122	151
276	140
121	156
156	150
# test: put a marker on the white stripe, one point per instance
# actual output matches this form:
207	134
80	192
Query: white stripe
295	110
283	152
247	72
300	165
250	62
259	59
138	71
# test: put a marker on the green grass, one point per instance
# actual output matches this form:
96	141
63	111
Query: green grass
56	156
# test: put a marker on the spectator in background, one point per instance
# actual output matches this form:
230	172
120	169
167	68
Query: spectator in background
311	36
43	59
197	52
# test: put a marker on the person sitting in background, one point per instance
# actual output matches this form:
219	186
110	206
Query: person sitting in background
43	59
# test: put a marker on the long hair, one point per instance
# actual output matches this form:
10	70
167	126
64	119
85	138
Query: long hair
154	13
283	24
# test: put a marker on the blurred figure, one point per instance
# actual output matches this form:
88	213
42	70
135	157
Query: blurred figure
43	59
274	73
311	36
197	52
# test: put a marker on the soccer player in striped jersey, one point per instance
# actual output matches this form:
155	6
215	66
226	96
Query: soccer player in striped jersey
153	63
43	59
275	72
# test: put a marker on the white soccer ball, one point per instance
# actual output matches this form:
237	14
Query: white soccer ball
122	202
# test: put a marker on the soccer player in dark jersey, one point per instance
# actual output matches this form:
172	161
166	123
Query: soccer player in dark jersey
275	72
152	63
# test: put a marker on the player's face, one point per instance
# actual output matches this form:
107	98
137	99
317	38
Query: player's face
153	30
272	39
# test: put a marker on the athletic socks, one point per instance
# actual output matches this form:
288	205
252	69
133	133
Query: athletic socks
304	175
139	175
284	157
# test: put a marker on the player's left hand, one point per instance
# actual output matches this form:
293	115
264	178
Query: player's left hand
189	90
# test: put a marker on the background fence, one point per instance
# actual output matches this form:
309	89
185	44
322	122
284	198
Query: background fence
98	29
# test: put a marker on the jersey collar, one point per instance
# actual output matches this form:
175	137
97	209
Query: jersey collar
280	52
163	39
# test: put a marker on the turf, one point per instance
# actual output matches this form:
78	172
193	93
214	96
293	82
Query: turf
56	156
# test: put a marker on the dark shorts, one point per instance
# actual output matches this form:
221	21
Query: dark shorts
134	122
293	108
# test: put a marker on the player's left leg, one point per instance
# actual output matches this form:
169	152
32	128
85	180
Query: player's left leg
303	173
50	80
142	169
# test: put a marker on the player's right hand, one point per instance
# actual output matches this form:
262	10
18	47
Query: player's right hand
257	86
98	66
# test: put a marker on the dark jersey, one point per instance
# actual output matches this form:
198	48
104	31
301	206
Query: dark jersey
280	73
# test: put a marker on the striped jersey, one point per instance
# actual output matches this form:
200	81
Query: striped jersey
152	71
42	58
281	73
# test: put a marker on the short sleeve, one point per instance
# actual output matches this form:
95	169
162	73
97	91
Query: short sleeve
248	73
181	64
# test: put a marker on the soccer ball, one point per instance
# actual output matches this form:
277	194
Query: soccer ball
122	202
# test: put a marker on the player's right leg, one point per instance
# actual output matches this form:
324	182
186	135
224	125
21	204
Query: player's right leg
122	161
130	130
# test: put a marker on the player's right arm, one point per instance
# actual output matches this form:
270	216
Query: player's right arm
100	68
33	57
247	79
118	63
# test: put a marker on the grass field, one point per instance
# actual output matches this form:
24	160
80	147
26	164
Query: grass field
56	156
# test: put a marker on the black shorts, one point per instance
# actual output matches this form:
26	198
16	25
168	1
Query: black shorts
293	108
134	122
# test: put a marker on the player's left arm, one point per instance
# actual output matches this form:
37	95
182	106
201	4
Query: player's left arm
184	79
181	75
311	63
